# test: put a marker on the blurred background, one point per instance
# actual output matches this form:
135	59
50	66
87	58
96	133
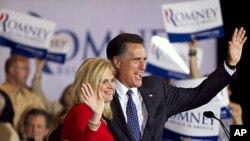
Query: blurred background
90	24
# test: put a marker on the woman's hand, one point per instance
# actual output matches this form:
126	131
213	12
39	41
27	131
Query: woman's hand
94	101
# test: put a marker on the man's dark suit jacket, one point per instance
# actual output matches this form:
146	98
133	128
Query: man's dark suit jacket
162	101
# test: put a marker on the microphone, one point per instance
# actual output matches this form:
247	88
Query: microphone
210	114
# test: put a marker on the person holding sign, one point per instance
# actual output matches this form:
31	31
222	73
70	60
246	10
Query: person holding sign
22	98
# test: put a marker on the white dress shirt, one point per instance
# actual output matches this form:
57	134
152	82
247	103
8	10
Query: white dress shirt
138	100
230	71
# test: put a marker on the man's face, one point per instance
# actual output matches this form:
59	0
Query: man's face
21	72
36	127
131	65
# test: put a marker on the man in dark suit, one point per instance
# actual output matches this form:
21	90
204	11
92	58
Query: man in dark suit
155	100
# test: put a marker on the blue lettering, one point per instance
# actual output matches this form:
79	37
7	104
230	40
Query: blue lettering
89	42
191	117
193	17
26	30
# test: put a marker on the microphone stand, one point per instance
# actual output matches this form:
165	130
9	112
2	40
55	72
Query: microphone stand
223	127
210	114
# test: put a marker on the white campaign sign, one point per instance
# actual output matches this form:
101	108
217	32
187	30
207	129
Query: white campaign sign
163	55
58	48
26	29
193	19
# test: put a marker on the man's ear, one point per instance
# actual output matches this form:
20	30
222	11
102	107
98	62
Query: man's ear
11	70
46	132
116	61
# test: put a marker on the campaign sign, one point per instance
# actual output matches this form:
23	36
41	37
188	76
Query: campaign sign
25	34
164	60
58	49
193	19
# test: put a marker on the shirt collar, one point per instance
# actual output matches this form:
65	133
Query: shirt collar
122	89
8	88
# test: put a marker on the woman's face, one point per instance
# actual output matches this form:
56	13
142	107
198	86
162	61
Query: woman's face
107	86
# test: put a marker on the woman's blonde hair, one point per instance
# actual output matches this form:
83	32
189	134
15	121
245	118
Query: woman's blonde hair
91	71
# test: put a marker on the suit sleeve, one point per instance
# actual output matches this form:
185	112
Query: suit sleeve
182	99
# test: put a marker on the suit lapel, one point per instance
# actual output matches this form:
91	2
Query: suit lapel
119	118
117	111
149	100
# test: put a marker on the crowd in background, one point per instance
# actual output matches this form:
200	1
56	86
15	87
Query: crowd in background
26	113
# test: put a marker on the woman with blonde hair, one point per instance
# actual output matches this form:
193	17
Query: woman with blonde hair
94	86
